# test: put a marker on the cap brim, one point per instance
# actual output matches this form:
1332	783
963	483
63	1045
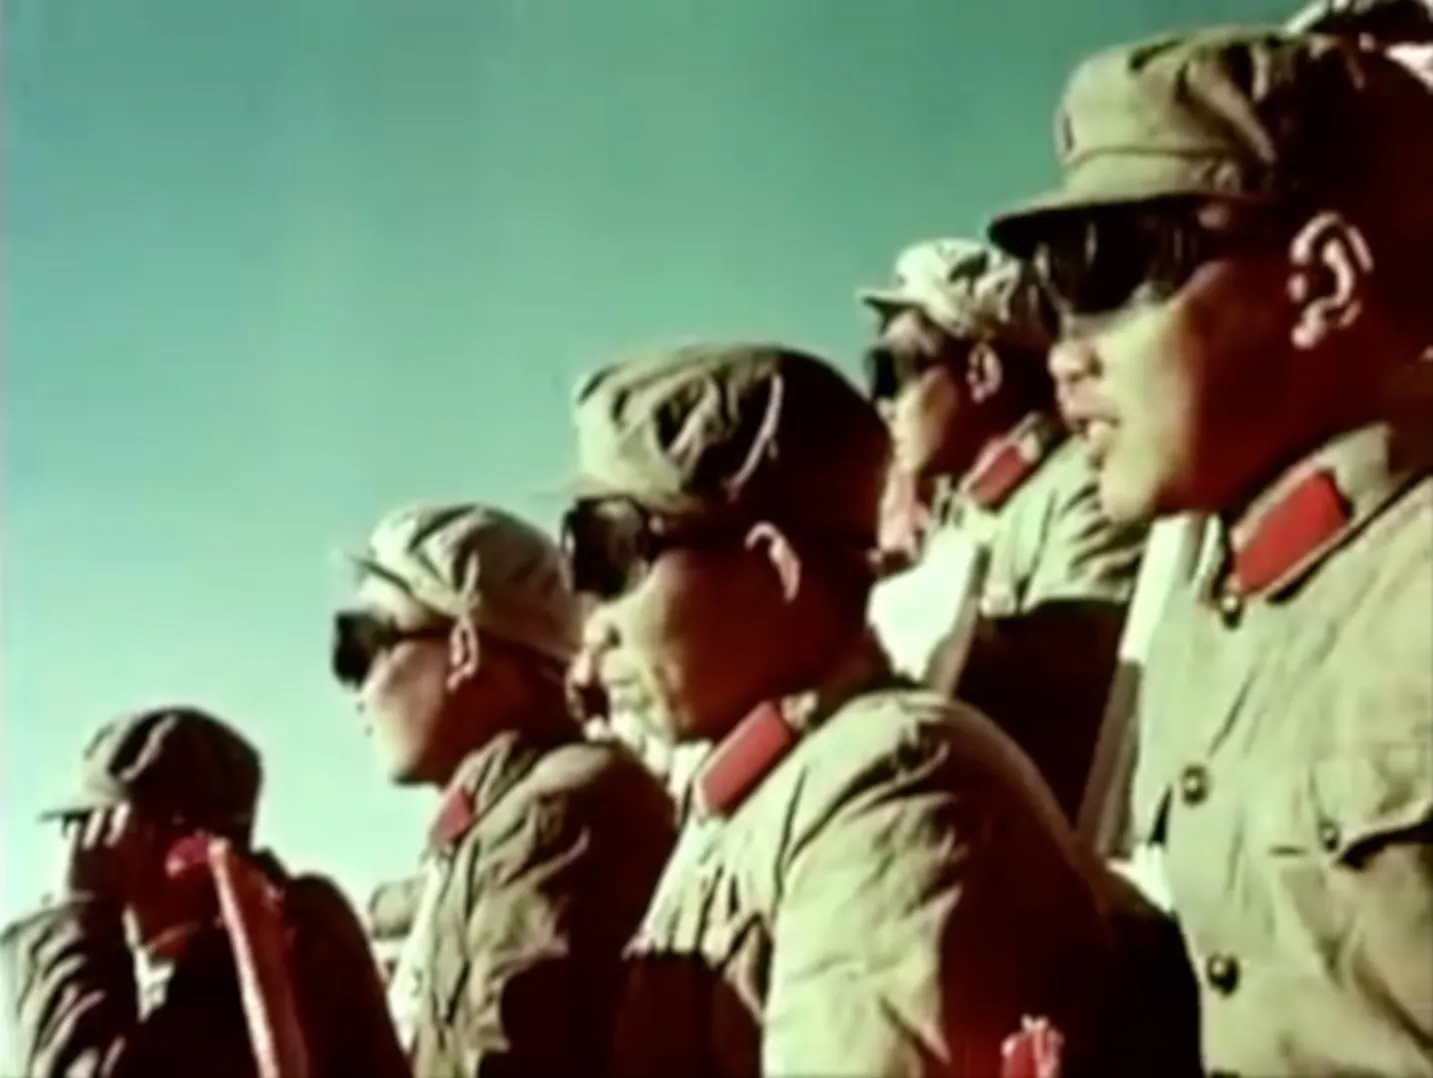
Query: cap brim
1109	181
80	805
885	299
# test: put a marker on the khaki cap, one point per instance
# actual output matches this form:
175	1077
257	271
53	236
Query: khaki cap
971	290
172	763
474	561
1253	115
755	431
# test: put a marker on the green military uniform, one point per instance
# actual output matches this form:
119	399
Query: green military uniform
545	849
870	880
1285	764
74	1000
1058	574
544	856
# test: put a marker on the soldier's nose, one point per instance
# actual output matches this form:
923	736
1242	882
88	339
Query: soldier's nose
1072	360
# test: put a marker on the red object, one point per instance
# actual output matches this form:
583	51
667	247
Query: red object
743	759
455	816
1034	1052
1308	516
187	855
999	473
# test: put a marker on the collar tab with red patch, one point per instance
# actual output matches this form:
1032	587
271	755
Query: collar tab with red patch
1012	460
1286	534
743	759
456	814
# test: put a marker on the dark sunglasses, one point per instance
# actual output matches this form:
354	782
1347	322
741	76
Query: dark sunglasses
360	638
609	544
1098	263
888	372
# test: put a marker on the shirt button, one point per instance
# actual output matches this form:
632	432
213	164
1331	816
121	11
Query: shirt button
1329	835
1222	972
1230	604
1194	784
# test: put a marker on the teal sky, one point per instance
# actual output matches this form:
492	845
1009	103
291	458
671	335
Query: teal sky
272	267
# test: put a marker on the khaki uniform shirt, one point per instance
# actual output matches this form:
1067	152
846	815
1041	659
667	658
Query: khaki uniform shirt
895	894
546	853
1052	604
1286	769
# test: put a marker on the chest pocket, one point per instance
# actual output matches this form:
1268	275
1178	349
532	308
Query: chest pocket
1347	844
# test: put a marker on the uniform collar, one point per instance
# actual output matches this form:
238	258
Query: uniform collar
484	776
1326	499
742	759
1011	459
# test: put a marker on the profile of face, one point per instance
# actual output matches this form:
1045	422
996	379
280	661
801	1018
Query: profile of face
933	395
405	664
1185	391
689	641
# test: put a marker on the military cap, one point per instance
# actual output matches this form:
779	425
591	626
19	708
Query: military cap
1254	115
173	763
474	561
971	290
736	431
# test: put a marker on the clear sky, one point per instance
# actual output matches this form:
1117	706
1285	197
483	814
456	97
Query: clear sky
272	267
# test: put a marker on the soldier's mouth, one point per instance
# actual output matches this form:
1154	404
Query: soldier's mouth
1097	435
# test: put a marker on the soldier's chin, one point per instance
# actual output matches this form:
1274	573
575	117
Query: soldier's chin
1123	500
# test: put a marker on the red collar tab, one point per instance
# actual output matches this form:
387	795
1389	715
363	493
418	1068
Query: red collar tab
455	815
1036	1051
1280	538
1010	462
745	757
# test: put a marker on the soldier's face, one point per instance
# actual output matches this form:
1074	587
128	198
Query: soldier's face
404	695
1173	394
926	405
687	646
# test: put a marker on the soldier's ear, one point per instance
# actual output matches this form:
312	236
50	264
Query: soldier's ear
464	652
984	371
1329	267
771	543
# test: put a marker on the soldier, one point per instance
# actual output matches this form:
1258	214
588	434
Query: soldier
870	880
128	971
546	848
959	366
1242	251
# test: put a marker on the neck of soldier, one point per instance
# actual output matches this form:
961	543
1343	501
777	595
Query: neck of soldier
1351	395
474	719
821	635
983	426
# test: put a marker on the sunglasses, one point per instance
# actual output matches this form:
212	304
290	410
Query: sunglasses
889	371
1103	262
360	638
609	544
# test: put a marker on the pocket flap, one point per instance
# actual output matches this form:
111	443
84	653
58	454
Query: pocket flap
1373	795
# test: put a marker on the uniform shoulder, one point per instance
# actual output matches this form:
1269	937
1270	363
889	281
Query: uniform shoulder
600	786
592	769
903	738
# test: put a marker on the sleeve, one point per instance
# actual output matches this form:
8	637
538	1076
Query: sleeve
1085	556
345	1015
71	999
860	984
555	902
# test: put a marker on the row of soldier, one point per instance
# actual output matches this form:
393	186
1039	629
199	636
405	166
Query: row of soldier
882	860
